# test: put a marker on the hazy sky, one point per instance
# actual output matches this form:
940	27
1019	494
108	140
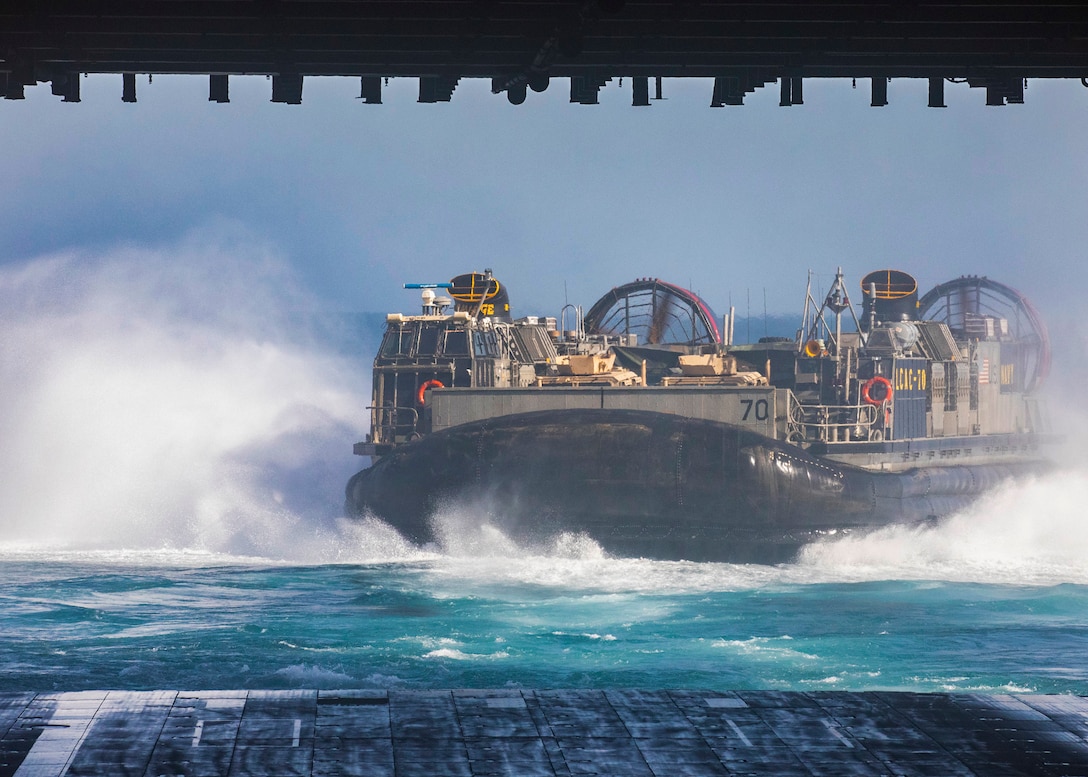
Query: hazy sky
561	199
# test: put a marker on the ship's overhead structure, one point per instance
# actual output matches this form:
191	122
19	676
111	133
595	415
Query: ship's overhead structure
643	424
523	48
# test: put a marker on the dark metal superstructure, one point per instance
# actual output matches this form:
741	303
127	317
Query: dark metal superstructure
474	345
698	447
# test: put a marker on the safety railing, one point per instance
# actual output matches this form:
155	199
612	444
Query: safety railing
393	425
832	423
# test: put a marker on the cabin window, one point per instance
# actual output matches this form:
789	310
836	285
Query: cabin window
485	344
397	342
428	341
456	343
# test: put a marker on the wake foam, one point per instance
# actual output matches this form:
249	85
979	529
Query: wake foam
1032	531
471	552
464	529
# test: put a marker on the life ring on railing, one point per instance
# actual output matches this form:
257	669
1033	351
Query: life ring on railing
873	382
427	384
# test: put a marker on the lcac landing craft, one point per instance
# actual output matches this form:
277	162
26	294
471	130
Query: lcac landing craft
646	427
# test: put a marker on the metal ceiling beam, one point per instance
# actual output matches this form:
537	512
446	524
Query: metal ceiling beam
519	42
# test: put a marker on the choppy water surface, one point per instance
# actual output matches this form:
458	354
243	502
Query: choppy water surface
879	613
174	460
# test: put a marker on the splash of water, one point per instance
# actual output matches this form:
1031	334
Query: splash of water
1027	532
170	398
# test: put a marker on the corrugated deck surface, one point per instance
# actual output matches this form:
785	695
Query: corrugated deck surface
529	733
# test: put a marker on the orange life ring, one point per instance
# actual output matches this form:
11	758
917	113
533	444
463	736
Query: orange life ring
427	384
877	380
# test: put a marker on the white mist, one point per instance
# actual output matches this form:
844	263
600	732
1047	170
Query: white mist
171	398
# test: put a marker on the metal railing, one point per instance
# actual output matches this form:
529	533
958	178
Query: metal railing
832	423
388	426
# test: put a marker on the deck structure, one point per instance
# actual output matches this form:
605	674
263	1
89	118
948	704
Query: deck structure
462	733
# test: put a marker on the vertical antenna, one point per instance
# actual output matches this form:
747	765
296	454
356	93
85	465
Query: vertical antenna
748	317
804	314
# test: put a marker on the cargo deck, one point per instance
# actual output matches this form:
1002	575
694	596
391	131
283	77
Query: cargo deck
461	733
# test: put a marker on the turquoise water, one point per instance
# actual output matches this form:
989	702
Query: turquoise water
937	610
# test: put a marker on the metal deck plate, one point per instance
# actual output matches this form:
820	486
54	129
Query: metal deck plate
528	733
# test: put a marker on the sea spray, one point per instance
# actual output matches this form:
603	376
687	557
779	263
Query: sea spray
1027	532
171	397
1030	531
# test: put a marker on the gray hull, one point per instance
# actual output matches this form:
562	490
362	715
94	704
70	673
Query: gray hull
653	485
